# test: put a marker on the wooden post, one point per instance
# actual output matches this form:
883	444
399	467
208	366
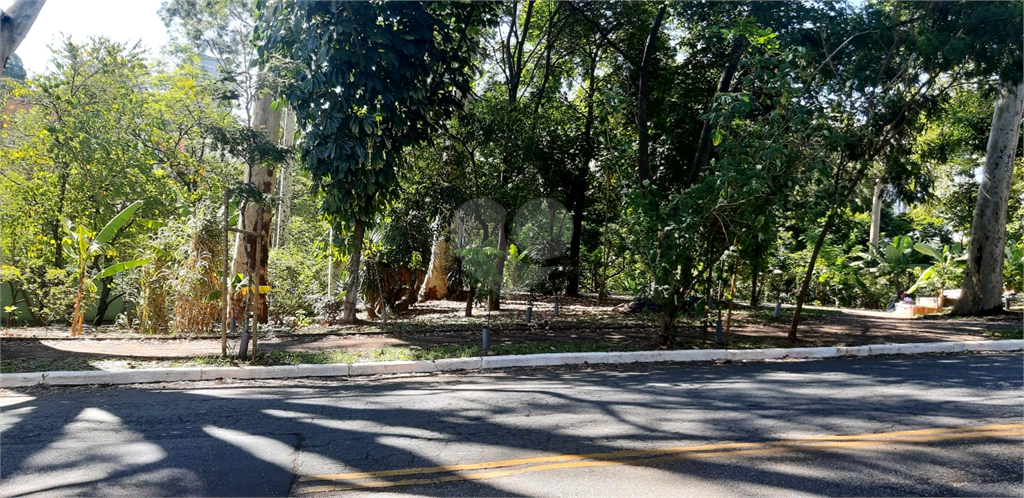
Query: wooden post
224	281
254	281
330	262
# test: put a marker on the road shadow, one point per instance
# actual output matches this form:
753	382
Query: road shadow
229	440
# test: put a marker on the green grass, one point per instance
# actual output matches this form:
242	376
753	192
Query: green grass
308	357
44	365
1014	333
767	315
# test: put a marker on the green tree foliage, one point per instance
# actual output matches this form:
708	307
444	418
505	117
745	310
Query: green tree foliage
99	132
408	66
219	32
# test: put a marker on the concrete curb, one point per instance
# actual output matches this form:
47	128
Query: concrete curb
490	362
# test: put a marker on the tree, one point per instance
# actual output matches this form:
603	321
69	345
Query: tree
640	54
925	50
367	80
86	148
983	280
14	25
220	30
99	132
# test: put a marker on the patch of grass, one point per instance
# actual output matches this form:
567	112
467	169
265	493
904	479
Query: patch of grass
767	315
434	353
23	365
1014	333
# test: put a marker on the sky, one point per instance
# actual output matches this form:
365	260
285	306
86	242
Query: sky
120	20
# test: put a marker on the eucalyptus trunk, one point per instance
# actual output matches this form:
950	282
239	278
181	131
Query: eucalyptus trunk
256	219
14	25
876	213
982	289
435	285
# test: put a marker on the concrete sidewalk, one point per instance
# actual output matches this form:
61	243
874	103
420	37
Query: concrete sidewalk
490	362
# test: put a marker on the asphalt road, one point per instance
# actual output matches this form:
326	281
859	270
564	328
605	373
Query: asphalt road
934	425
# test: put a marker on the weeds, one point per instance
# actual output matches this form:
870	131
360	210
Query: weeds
1014	333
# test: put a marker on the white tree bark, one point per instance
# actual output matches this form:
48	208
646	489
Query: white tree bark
876	213
256	218
14	25
983	281
284	188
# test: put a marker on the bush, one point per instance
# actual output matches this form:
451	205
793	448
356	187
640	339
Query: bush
298	283
48	293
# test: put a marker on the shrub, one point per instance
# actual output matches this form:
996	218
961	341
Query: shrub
298	284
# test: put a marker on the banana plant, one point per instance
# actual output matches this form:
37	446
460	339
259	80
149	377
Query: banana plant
83	246
891	261
947	265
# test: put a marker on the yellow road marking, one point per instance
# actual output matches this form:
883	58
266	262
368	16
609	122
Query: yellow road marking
648	457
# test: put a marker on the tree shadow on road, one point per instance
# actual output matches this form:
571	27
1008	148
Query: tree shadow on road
229	440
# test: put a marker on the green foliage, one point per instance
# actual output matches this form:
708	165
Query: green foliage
48	294
297	283
82	245
407	67
100	131
946	270
894	262
1013	268
220	30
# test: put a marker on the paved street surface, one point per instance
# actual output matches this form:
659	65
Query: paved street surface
934	425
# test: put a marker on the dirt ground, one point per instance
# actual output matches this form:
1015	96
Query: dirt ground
580	321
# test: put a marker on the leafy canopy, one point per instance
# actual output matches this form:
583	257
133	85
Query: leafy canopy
367	80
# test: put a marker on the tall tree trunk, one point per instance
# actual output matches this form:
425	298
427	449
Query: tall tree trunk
755	273
579	193
352	284
435	286
802	296
643	137
256	218
876	213
284	190
983	280
470	297
578	187
704	143
14	25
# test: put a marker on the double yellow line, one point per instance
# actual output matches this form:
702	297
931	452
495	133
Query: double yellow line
504	468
